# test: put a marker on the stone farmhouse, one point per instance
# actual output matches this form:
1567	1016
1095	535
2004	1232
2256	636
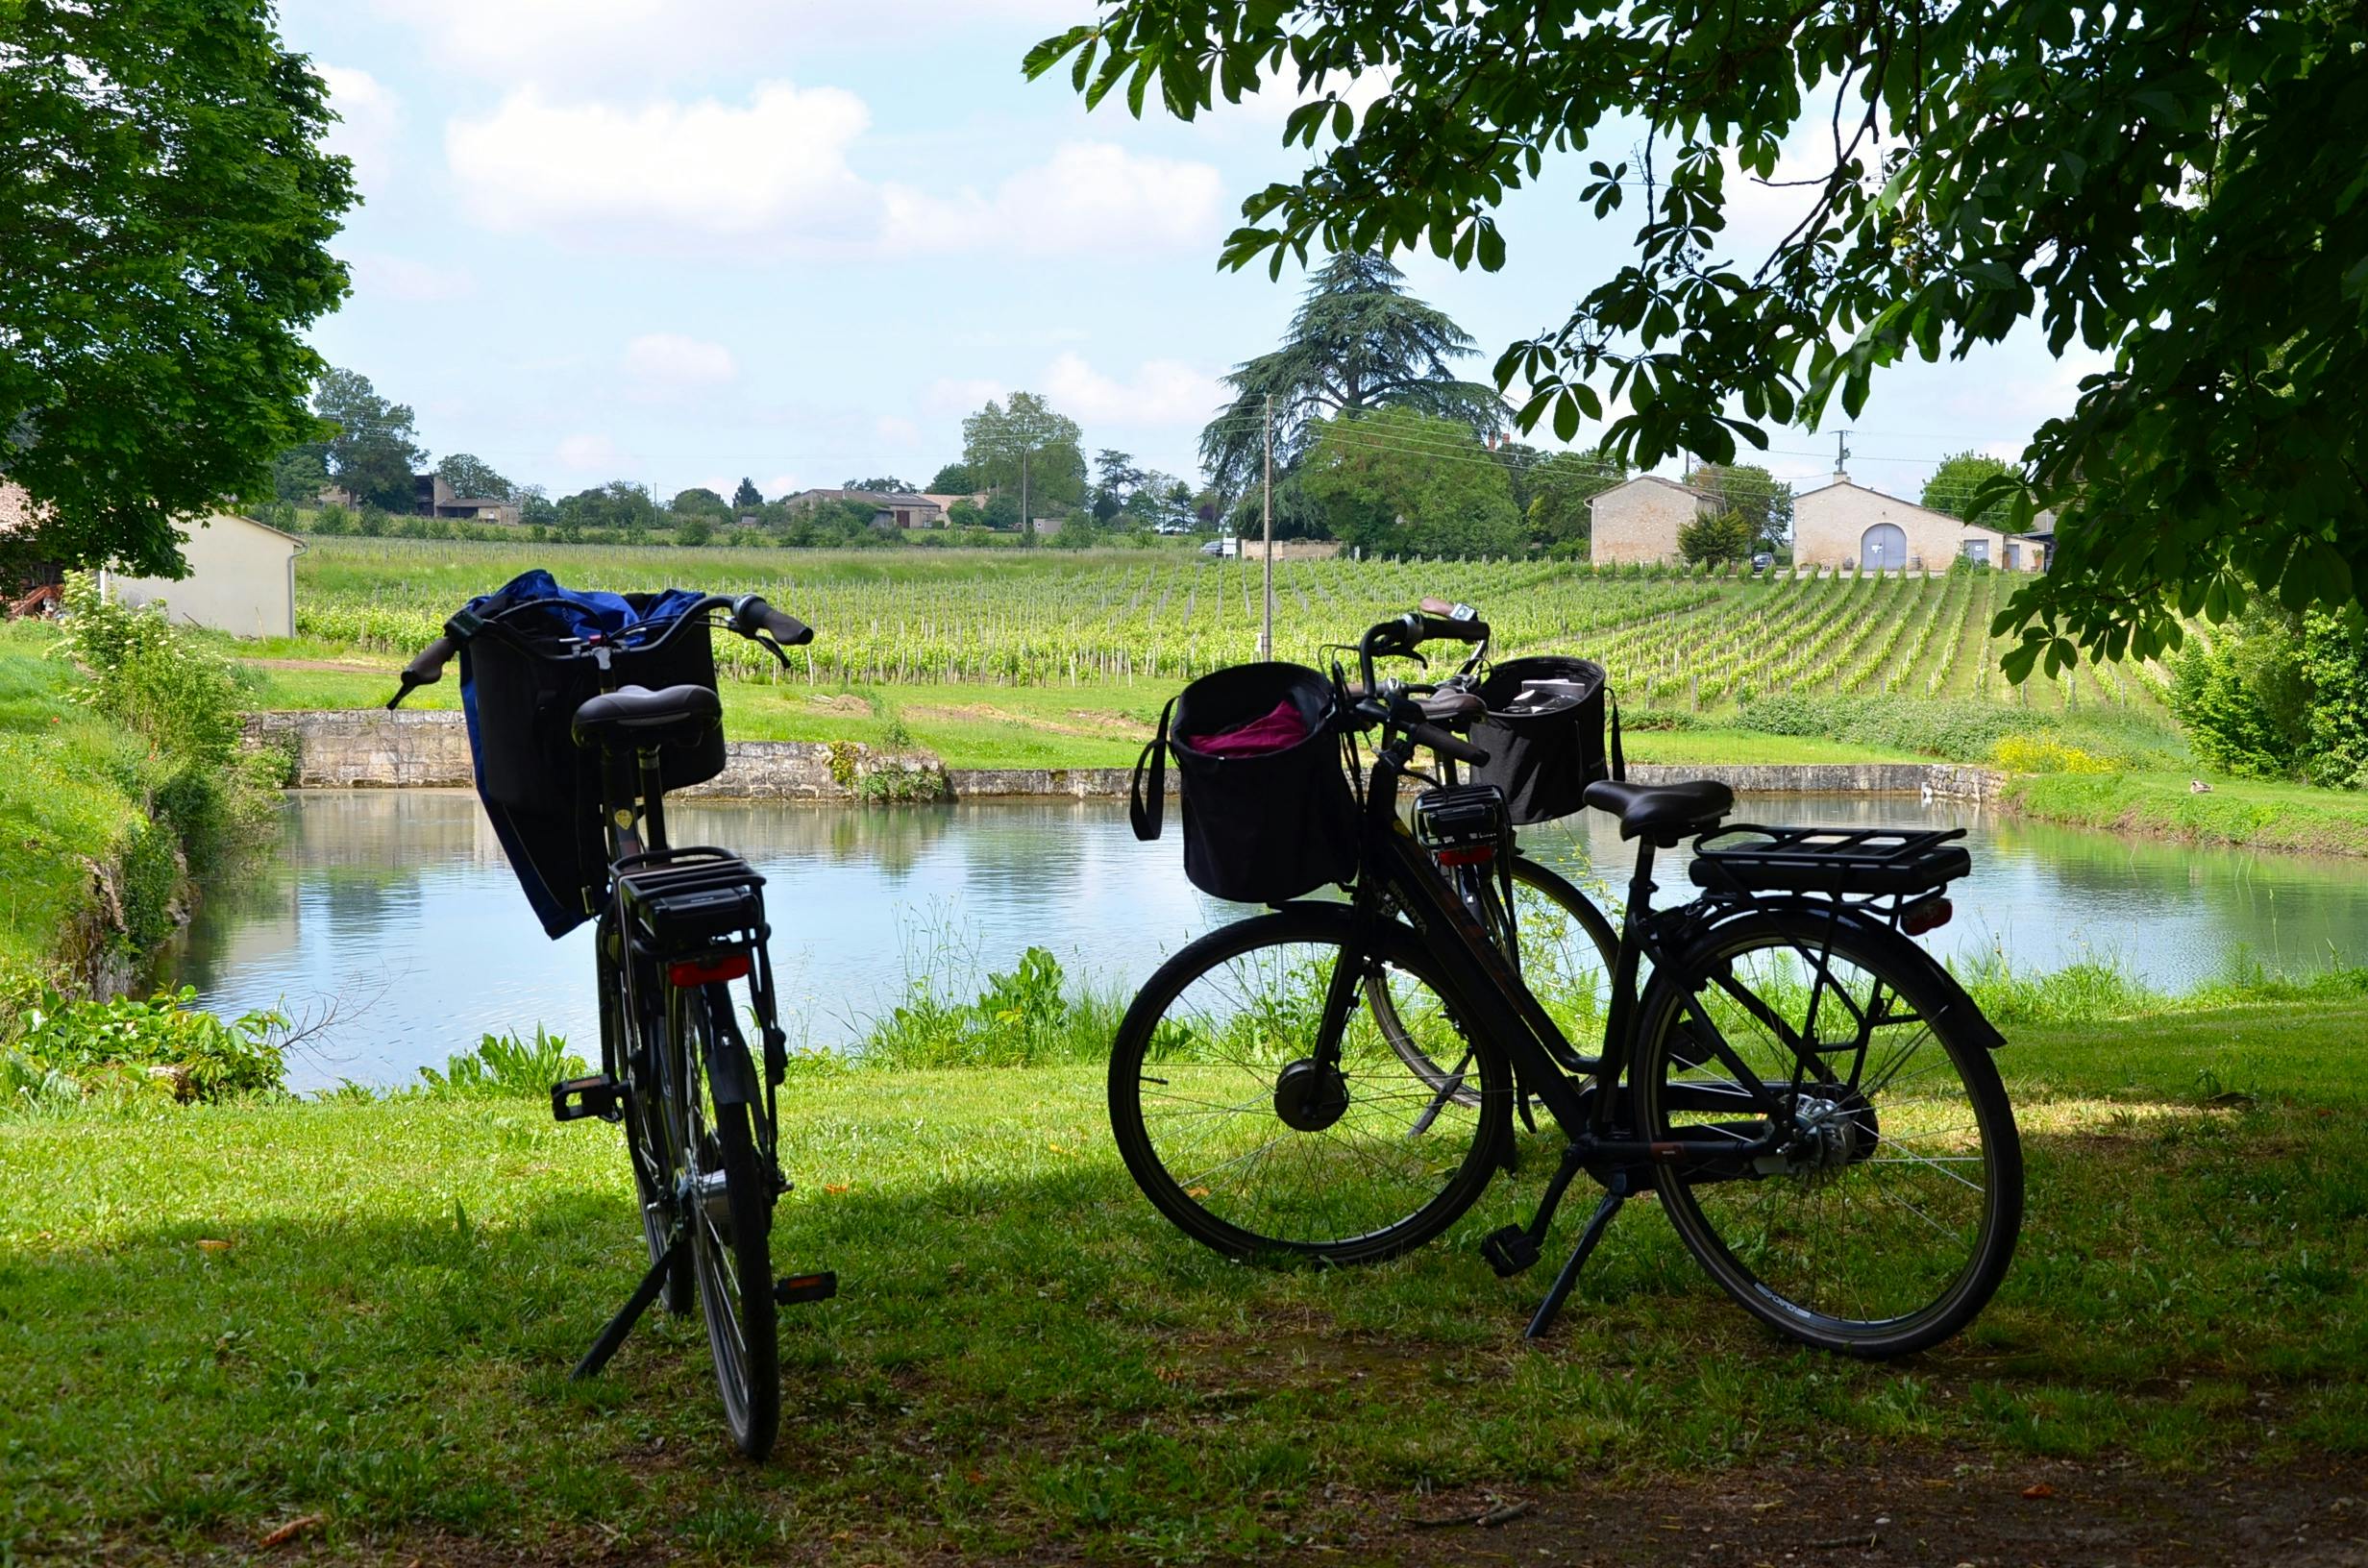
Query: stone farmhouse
890	509
1845	523
1638	518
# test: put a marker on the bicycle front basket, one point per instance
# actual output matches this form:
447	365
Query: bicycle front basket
1260	825
1543	756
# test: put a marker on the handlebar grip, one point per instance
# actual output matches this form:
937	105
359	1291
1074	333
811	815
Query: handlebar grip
426	669
751	615
1448	744
1448	629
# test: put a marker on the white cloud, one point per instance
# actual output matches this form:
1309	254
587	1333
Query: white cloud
667	173
1160	392
585	454
368	116
414	283
1089	196
776	487
660	363
956	395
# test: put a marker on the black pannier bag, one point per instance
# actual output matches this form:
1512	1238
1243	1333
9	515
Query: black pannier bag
542	791
1543	754
1261	828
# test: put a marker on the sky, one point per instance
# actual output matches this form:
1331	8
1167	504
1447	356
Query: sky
688	241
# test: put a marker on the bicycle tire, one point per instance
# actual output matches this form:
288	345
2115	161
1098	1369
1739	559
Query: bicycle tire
733	1259
1379	1178
1578	947
1883	1164
646	1121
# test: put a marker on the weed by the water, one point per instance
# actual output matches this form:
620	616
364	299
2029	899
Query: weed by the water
503	1067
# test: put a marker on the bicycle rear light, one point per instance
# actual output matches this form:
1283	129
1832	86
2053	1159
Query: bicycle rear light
1929	913
1462	824
693	971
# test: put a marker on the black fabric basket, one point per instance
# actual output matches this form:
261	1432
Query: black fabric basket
1259	829
543	791
1543	760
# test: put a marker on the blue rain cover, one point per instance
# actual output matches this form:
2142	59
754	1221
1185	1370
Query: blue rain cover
558	613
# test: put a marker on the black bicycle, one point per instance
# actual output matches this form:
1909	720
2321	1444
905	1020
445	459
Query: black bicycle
1807	1091
575	755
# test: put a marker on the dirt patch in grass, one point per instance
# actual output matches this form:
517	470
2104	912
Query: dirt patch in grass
841	702
1096	726
349	666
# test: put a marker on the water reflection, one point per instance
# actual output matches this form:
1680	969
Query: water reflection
397	907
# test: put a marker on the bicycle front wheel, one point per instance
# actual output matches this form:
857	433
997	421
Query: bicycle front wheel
1255	1134
729	1196
1565	949
1887	1214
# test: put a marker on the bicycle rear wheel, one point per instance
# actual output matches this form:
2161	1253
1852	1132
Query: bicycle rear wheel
729	1195
1890	1214
1252	1135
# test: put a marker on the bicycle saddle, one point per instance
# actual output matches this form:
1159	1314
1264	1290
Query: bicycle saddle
641	718
1662	813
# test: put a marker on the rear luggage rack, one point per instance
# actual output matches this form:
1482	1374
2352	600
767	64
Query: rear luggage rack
1873	861
680	903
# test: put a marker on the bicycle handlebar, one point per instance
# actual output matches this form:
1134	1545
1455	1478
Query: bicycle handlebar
750	617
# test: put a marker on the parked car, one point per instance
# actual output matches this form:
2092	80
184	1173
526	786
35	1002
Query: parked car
1228	547
1761	562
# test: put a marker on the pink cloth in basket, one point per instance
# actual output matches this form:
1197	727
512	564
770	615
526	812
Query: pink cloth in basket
1278	731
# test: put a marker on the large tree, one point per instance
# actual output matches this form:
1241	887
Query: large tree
1024	448
1560	489
374	449
1359	341
1760	498
1976	487
1396	482
2178	188
471	475
165	212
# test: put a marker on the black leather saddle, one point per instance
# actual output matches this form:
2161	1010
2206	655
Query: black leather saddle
1664	813
636	717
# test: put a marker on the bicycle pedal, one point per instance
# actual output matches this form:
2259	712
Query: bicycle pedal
795	1288
574	1099
1509	1251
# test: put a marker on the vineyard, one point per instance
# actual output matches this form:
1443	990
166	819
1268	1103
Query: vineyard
1672	640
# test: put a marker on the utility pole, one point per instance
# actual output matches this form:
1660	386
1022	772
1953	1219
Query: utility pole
1841	454
1027	523
1266	637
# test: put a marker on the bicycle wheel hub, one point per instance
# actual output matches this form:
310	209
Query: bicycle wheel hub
708	1189
1834	1133
1310	1095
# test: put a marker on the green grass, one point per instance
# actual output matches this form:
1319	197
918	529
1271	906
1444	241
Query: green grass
224	1319
2248	812
70	798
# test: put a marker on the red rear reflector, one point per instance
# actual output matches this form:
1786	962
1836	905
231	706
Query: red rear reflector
1478	854
1931	915
696	972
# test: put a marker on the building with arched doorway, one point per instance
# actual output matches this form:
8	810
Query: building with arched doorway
1846	525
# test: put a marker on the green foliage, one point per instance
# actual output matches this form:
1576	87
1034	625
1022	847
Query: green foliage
153	677
300	475
504	1067
1940	728
1393	481
472	477
1025	445
1717	538
1764	501
956	478
1976	487
1022	1017
2174	189
1559	491
693	531
699	502
620	504
159	1045
1358	342
375	451
2274	695
747	497
166	246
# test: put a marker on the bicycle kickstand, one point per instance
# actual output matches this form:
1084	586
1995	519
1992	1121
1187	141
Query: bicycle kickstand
613	1335
1596	1223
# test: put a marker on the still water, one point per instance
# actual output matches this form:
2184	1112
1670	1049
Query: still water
396	909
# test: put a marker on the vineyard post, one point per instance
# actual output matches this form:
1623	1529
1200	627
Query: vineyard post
1265	634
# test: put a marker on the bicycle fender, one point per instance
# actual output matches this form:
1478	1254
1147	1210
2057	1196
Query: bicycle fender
1955	1003
731	1075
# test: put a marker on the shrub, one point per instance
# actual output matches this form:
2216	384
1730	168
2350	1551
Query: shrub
692	531
503	1067
162	1045
2036	754
1940	728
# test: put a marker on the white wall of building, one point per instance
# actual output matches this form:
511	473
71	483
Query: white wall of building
242	580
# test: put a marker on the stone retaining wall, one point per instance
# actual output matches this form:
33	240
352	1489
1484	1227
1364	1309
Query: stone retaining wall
374	747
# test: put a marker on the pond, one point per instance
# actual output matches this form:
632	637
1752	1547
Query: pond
396	910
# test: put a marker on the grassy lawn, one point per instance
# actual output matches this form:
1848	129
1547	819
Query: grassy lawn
223	1320
70	797
2235	811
